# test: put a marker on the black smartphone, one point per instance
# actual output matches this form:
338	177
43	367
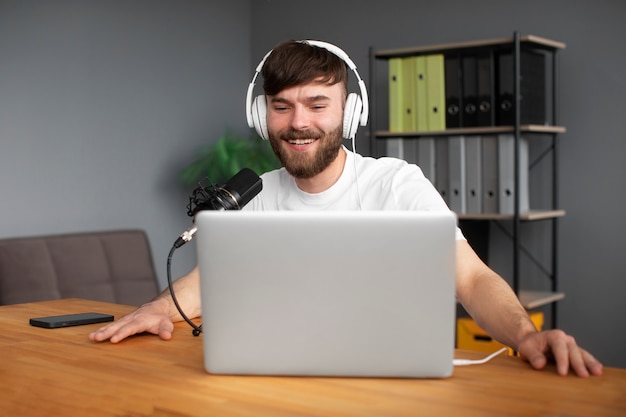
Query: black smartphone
53	322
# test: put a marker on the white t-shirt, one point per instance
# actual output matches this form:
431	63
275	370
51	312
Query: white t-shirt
383	184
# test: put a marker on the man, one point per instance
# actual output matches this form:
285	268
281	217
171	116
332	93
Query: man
306	90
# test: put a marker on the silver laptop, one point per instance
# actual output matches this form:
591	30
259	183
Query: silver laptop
358	294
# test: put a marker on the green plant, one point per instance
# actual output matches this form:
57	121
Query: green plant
227	156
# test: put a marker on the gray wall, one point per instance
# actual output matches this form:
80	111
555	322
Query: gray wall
593	109
103	102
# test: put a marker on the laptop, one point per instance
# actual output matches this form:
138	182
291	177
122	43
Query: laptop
346	294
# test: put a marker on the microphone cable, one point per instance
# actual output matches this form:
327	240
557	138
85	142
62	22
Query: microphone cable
236	193
196	329
201	198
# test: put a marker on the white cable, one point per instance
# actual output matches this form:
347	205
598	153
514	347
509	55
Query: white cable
356	174
463	362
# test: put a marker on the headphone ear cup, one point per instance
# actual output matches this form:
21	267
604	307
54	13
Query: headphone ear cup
259	116
351	115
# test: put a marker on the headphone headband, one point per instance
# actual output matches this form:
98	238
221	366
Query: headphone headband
361	105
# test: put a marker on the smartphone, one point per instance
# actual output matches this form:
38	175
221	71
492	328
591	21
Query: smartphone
54	322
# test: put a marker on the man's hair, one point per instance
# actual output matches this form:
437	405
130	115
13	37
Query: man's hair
294	63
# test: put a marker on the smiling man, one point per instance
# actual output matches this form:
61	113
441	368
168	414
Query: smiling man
305	113
306	133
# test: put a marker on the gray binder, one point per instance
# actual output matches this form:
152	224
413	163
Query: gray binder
441	167
426	157
489	148
473	174
506	172
409	150
456	169
394	147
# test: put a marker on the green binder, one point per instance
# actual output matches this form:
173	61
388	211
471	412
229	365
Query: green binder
409	95
421	105
396	88
435	96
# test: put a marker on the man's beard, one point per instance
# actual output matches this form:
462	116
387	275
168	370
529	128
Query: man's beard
303	165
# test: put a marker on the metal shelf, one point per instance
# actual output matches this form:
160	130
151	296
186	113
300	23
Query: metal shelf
515	43
532	215
484	130
417	50
535	299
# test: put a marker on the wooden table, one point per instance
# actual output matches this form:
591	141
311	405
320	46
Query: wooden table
59	372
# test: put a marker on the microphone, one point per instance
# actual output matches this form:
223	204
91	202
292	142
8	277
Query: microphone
235	194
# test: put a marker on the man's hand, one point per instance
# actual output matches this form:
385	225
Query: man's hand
152	317
538	348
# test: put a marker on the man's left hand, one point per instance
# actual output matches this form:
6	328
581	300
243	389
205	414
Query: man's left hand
538	348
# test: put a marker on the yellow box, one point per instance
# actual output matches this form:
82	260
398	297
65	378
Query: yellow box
470	336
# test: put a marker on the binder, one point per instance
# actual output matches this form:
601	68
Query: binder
426	157
489	173
532	88
396	88
435	93
409	94
441	167
506	172
524	172
470	91
473	174
456	170
421	91
394	148
409	150
506	83
485	89
453	90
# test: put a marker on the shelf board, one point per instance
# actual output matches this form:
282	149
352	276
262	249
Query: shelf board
531	215
536	40
482	130
535	299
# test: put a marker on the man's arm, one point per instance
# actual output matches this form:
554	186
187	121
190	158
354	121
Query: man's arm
158	315
494	306
489	299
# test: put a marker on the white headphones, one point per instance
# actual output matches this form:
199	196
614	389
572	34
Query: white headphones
356	110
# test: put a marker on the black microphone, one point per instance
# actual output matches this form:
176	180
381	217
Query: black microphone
235	194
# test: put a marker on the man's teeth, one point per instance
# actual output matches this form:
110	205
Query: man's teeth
301	141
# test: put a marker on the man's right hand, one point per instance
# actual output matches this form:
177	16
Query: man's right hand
152	317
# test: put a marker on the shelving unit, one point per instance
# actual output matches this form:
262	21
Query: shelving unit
378	134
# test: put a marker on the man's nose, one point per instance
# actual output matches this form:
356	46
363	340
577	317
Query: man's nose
300	118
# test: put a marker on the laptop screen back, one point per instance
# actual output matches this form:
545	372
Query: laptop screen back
328	293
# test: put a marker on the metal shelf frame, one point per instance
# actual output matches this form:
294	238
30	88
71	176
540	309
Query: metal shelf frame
553	130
